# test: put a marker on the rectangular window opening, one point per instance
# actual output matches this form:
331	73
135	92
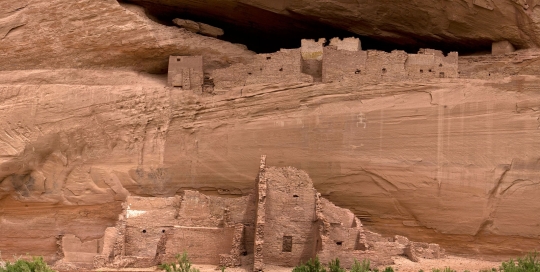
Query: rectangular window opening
287	243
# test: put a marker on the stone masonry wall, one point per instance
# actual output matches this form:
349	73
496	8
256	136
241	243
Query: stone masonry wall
258	257
291	229
186	72
203	244
340	65
283	66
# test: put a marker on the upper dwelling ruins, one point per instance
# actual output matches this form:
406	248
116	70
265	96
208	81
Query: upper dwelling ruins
319	61
285	222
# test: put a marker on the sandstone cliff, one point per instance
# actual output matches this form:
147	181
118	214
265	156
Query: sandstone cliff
441	23
85	122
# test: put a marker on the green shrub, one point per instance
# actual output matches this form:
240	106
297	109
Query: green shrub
360	266
529	263
36	265
446	269
313	265
334	266
388	269
182	264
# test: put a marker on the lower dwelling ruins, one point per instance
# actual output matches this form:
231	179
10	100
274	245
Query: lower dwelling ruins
284	223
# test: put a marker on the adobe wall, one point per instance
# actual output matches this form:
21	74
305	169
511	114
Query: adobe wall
340	65
312	57
281	67
285	223
342	60
291	229
203	244
420	66
447	65
154	229
430	63
79	252
346	44
186	72
260	219
344	237
384	66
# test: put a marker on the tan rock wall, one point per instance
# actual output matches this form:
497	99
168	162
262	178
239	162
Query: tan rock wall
383	151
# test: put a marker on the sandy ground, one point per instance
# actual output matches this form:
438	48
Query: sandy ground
456	263
402	264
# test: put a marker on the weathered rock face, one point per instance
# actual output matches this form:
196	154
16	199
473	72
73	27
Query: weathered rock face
456	156
452	24
86	34
451	161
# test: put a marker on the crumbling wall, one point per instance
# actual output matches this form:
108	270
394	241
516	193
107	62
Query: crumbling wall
291	229
420	66
258	257
203	244
312	58
342	60
231	77
346	44
340	65
384	66
285	223
233	259
153	230
80	252
446	67
281	67
186	72
430	63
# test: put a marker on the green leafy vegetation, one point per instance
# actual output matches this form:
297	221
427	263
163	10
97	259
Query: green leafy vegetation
446	269
313	265
361	266
334	266
36	265
529	263
182	264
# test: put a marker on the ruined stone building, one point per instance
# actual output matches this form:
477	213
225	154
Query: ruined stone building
318	61
186	72
285	223
283	66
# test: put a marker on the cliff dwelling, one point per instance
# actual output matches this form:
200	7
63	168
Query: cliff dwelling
403	132
285	222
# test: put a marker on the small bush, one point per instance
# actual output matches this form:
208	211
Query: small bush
36	265
313	265
388	269
446	269
334	266
529	263
361	266
182	264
